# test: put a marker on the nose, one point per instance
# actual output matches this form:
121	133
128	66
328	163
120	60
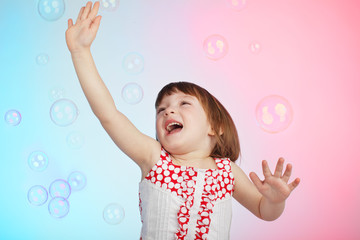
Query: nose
169	111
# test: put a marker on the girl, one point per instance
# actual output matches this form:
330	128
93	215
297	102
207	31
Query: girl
188	173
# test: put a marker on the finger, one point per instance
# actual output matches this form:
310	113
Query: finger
287	173
86	10
266	169
95	25
279	168
256	180
70	23
80	14
294	184
94	11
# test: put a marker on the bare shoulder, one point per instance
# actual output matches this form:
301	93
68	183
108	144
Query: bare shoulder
152	160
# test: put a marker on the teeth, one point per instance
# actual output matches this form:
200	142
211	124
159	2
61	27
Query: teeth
171	124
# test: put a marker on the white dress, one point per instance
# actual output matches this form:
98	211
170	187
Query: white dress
179	202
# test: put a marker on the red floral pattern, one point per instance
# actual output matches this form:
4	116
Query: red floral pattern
181	181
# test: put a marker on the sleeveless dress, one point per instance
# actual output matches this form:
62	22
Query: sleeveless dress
180	202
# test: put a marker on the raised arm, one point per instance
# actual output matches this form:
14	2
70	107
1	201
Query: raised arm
143	149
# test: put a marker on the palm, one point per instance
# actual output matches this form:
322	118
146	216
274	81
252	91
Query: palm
81	34
275	186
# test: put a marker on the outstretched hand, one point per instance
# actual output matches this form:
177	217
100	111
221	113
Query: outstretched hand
275	186
80	35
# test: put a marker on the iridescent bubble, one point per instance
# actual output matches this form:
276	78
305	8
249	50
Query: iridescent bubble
109	5
63	112
255	47
133	63
237	5
215	47
42	59
75	140
77	181
113	213
37	195
58	207
51	10
38	161
12	117
274	114
56	93
132	93
60	188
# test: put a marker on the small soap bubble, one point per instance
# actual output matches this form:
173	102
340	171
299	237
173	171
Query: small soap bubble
133	63
37	195
75	140
56	93
51	10
58	207
63	112
60	188
109	5
132	93
113	213
42	59
12	117
274	114
77	181
237	5
38	161
215	47
255	47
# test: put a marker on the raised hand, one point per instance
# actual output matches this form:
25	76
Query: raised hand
80	35
275	186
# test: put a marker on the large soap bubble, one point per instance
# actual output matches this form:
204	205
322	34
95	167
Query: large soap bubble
60	188
132	93
215	47
113	213
63	112
274	114
12	117
58	207
38	161
37	195
51	10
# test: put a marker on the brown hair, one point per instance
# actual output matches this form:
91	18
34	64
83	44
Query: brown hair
227	140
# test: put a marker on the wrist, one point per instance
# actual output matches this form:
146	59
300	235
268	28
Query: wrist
85	52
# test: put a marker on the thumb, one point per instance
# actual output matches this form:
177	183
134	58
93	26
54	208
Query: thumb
256	180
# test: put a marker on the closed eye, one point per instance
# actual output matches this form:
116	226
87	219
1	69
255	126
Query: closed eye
184	103
160	110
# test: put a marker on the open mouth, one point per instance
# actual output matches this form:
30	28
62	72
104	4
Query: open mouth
173	127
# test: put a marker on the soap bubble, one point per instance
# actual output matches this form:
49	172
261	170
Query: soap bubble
75	140
42	59
51	10
63	112
37	195
109	5
274	114
113	213
38	161
58	207
237	5
215	47
60	188
12	117
56	93
77	181
132	93
133	63
255	47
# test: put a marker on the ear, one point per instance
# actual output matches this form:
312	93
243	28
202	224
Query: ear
212	131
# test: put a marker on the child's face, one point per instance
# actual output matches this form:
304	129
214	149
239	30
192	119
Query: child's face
182	125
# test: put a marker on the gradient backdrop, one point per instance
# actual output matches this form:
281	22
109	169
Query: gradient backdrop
304	51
